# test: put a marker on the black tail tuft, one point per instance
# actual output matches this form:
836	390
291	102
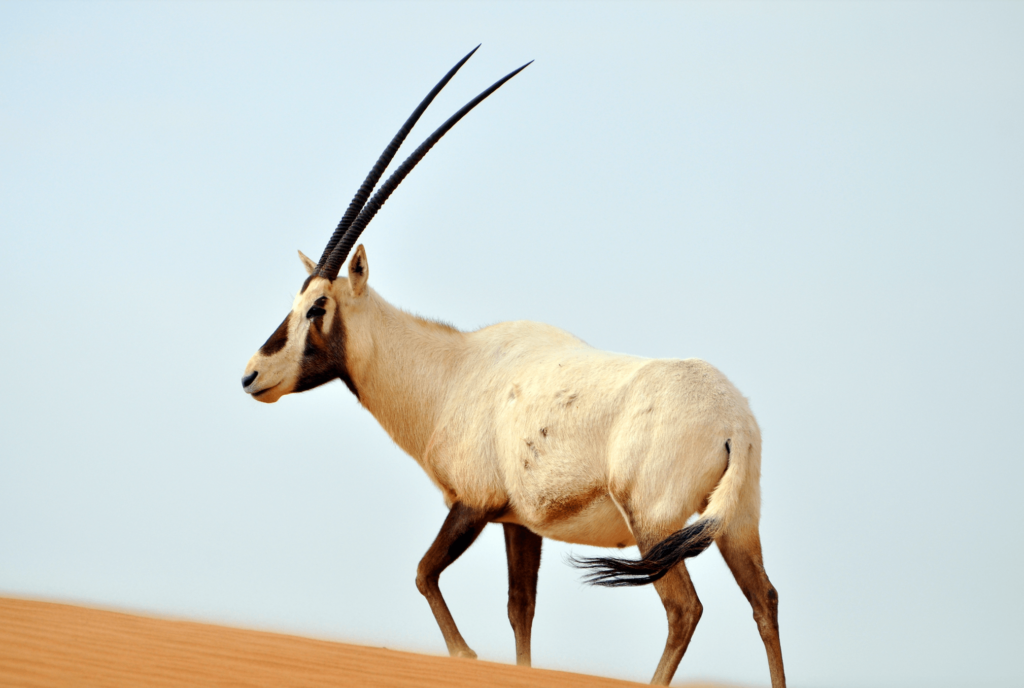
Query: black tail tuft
613	573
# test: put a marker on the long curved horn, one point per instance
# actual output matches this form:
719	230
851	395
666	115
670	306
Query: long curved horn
382	163
341	250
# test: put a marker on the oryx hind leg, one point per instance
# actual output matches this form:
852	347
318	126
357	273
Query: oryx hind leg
461	527
682	606
742	552
523	550
683	609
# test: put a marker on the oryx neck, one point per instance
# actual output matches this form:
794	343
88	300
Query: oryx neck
403	366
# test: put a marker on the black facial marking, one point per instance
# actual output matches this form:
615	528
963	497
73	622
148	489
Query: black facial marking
323	356
306	283
316	310
277	340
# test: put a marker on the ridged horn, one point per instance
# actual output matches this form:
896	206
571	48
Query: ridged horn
382	163
342	248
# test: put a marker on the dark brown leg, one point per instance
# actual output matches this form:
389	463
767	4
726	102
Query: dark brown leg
684	610
744	560
461	527
523	550
682	607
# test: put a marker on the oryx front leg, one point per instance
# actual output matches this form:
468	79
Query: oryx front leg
461	527
522	548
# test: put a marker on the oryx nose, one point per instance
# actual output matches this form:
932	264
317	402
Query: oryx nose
247	380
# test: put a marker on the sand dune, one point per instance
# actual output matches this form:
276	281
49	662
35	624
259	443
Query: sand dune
46	644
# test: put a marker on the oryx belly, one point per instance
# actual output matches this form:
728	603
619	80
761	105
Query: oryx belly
599	522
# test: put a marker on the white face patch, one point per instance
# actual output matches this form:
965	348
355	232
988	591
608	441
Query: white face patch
278	368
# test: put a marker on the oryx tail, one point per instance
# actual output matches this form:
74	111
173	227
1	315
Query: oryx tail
725	501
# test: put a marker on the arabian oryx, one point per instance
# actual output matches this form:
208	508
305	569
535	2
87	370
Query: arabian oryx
525	425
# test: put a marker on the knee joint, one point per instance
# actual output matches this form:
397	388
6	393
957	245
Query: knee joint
690	612
519	606
766	614
424	581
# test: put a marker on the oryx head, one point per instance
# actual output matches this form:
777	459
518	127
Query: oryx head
308	347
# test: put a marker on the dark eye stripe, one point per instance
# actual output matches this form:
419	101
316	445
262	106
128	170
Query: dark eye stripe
277	340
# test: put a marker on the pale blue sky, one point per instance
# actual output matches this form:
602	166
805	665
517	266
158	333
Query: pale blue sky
824	200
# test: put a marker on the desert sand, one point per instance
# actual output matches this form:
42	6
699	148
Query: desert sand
49	644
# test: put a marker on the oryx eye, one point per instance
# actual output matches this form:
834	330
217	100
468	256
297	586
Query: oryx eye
316	310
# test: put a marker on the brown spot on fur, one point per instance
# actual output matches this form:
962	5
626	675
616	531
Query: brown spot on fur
536	454
571	400
560	508
544	432
620	545
277	340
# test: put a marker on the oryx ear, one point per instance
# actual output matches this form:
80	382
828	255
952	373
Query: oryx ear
310	265
358	271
